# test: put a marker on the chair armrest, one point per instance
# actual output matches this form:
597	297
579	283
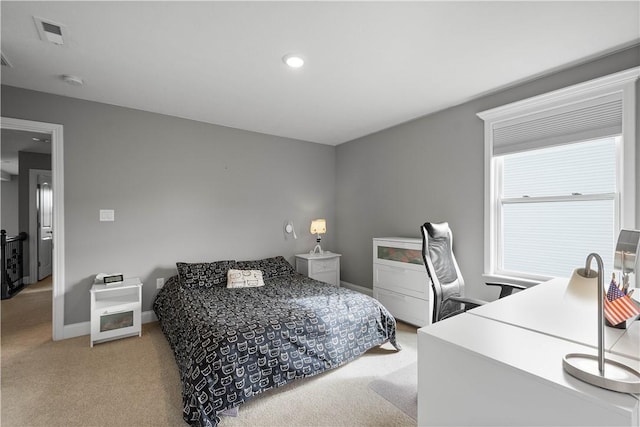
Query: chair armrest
506	289
469	303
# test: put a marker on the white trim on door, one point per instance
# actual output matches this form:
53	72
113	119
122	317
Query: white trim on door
57	172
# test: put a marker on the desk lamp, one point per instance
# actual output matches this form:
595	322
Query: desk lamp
318	227
597	370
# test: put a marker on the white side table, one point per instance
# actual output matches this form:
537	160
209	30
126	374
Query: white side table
116	310
325	267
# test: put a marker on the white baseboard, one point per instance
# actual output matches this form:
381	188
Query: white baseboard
76	330
357	288
148	317
84	328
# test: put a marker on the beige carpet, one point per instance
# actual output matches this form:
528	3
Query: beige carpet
44	285
400	388
134	381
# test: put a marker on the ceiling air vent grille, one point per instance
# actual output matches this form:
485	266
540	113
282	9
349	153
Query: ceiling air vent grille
4	61
50	31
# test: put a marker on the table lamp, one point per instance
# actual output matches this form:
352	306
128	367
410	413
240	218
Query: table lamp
597	370
318	227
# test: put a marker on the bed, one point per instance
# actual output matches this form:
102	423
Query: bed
232	344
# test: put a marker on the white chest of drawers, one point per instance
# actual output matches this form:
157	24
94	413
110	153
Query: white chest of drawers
325	267
400	280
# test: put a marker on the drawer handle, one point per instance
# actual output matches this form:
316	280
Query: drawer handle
394	269
396	296
107	312
324	266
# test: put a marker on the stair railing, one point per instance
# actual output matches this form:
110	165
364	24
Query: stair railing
12	263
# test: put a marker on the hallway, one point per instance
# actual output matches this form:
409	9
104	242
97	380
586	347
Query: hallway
26	316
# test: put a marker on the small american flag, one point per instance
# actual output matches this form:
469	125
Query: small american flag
618	307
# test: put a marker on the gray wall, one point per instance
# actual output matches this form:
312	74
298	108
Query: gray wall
181	190
190	191
432	169
10	206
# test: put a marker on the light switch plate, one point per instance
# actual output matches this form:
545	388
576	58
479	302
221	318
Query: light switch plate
107	215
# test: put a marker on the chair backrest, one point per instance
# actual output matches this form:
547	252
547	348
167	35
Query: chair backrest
442	268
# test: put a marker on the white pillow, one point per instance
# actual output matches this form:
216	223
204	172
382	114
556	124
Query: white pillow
244	279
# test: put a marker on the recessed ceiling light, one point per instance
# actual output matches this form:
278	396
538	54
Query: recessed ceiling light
72	80
293	61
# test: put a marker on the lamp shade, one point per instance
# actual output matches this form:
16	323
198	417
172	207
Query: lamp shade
318	226
583	286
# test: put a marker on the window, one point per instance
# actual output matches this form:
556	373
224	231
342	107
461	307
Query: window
557	205
560	178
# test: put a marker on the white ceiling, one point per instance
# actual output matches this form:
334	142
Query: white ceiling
369	65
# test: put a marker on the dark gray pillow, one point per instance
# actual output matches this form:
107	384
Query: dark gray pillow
270	267
204	274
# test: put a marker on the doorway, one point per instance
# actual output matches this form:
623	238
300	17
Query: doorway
57	212
44	215
40	223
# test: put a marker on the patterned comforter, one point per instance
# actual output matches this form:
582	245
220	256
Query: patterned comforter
232	344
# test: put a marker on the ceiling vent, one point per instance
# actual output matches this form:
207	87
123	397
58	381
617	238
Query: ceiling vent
50	31
5	62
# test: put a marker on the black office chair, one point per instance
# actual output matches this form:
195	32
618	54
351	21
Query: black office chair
443	270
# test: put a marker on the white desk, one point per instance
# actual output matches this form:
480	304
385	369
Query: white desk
545	309
501	364
629	343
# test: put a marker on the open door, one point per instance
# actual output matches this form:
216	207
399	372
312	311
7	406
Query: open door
44	207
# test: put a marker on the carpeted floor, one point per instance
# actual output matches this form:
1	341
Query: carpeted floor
44	285
134	381
400	388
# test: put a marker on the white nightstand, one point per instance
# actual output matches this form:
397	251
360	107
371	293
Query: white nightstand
325	267
116	310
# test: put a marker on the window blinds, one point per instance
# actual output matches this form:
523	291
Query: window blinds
581	121
549	232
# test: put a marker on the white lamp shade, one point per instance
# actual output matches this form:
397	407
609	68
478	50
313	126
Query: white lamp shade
583	287
318	226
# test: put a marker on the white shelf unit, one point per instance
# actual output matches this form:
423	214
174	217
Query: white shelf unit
116	310
400	280
325	267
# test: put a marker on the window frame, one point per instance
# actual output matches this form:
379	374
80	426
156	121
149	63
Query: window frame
501	201
622	85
